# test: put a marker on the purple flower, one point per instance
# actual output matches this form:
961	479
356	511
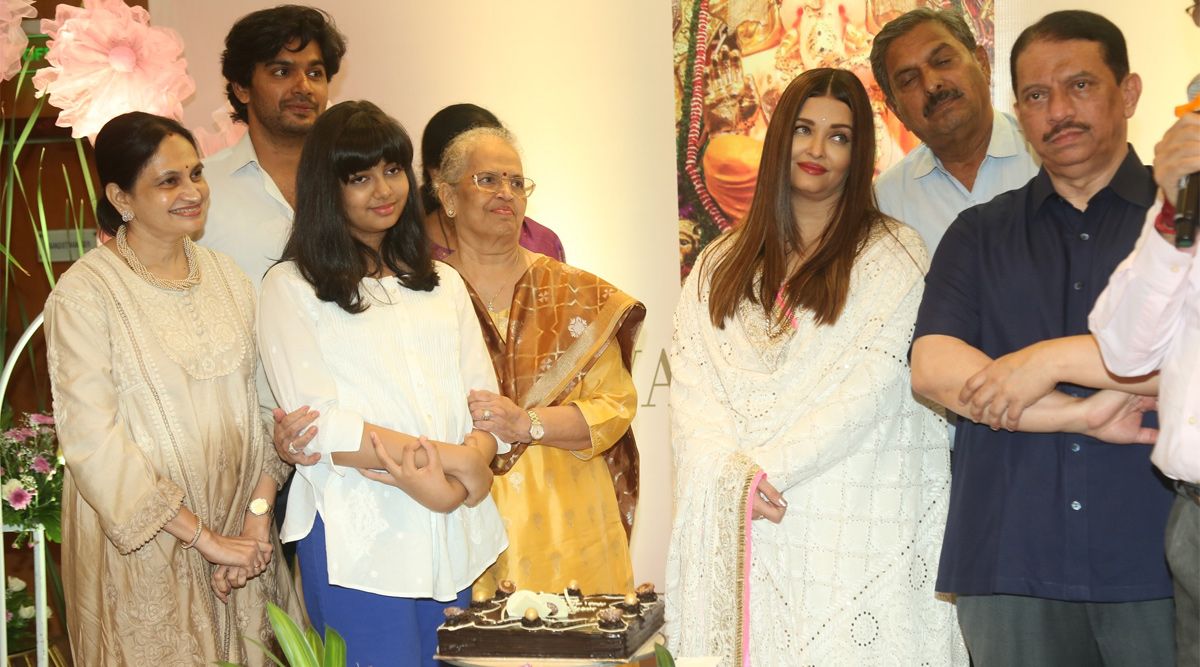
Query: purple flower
41	419
19	498
7	616
41	465
19	434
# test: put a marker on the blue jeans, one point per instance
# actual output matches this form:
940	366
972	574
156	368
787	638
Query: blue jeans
380	631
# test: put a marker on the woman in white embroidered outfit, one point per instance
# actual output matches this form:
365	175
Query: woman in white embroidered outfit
169	473
790	402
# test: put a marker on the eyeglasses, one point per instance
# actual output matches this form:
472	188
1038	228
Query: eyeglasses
492	183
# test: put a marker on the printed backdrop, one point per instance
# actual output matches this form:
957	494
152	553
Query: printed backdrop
733	58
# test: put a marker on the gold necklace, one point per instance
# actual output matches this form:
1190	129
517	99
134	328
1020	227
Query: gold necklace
491	302
135	264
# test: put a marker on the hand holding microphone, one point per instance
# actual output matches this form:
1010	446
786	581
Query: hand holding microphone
1177	167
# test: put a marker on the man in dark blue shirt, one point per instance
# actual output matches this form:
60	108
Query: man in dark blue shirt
1054	539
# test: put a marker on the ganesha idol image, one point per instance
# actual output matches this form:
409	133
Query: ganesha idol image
755	48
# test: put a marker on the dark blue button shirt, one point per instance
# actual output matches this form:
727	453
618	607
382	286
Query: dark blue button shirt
1055	515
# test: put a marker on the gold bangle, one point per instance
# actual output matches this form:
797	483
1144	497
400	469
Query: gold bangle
196	538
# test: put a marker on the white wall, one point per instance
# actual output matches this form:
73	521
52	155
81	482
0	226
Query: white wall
587	88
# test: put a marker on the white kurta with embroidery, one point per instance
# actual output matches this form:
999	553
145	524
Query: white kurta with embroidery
405	363
828	413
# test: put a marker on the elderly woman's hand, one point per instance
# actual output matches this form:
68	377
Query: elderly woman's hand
498	415
292	434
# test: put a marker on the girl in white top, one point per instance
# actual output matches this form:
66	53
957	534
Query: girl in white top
360	324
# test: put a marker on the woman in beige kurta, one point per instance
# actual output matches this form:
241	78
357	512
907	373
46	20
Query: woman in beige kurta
157	415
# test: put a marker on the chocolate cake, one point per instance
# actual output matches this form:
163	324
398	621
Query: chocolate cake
523	624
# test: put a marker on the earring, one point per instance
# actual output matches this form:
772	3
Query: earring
126	216
449	213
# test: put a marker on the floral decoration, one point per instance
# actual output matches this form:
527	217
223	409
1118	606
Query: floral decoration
227	133
12	36
19	612
105	60
31	470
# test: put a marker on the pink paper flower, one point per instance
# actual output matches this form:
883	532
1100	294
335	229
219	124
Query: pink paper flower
105	60
19	498
12	37
41	419
41	465
226	134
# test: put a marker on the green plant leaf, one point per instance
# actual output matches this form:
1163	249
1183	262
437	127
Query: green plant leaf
314	640
87	174
266	651
335	648
291	640
662	657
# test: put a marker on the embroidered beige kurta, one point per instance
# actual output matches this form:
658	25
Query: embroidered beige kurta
156	406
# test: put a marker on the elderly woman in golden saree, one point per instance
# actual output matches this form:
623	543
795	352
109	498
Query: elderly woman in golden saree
562	343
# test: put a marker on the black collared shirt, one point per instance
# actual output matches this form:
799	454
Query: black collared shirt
1055	515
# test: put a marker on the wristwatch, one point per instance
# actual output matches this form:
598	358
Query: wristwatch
536	430
259	507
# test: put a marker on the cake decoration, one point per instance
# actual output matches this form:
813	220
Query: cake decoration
610	618
505	588
531	618
645	592
573	589
527	624
456	616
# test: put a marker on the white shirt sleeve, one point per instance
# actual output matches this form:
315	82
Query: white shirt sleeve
296	369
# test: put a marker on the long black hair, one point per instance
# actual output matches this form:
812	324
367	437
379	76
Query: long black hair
348	138
123	147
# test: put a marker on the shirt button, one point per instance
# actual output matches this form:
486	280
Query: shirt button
1078	285
1084	236
1076	505
1075	446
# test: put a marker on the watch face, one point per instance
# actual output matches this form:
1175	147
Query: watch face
259	506
536	431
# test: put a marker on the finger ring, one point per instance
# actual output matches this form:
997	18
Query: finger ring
487	414
292	449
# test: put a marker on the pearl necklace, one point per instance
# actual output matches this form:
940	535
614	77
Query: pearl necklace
135	264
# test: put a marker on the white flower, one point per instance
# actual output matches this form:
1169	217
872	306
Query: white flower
16	584
577	326
10	486
25	612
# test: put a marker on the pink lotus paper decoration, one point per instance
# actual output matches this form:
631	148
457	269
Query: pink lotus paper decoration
12	38
227	133
105	60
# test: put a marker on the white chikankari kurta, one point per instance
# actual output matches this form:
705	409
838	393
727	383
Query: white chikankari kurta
828	413
406	363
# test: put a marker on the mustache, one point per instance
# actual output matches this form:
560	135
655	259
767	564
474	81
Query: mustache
1063	127
943	95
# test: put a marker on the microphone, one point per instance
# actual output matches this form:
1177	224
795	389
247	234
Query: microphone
1187	206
